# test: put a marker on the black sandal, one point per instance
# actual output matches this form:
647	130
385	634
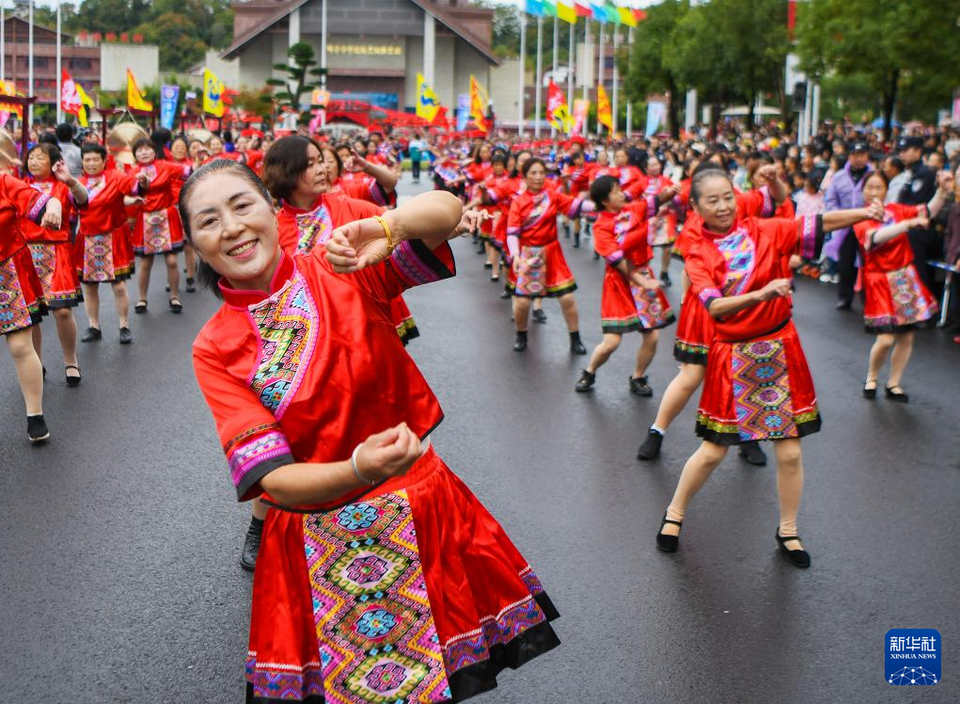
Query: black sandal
668	543
798	558
870	393
175	306
72	380
898	396
140	308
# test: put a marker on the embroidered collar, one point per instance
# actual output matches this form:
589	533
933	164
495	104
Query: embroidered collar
295	211
242	299
714	236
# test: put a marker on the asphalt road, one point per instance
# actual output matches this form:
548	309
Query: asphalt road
119	539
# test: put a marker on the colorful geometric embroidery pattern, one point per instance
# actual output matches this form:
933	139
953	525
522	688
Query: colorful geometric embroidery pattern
287	325
650	312
761	391
156	233
375	630
540	205
244	457
314	228
44	261
14	314
281	681
411	266
909	302
738	250
98	258
533	272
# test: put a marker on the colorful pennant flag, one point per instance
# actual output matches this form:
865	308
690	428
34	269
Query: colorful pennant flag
213	94
557	110
135	99
639	15
87	102
535	7
599	14
627	17
582	10
10	88
566	12
69	97
604	114
612	15
478	105
428	104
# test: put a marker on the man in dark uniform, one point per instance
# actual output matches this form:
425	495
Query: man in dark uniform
920	187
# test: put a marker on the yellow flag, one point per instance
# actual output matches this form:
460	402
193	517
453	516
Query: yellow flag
478	104
87	106
213	89
428	104
604	114
135	99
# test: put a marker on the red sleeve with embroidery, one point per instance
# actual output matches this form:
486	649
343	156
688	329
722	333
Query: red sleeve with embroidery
249	434
605	240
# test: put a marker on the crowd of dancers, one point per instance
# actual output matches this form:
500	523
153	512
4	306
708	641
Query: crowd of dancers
366	584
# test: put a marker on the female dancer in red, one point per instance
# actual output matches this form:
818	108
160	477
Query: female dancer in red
381	576
21	295
180	155
53	253
371	182
896	301
758	385
663	227
631	299
498	215
158	230
103	251
536	257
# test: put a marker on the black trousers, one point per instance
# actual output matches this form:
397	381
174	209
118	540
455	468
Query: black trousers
847	267
927	245
415	169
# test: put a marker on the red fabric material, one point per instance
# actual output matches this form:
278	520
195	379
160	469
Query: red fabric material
340	208
58	276
556	278
105	211
32	232
121	250
533	217
893	254
22	293
16	200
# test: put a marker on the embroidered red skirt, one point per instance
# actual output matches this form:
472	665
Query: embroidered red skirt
158	232
105	258
759	389
662	230
694	331
21	295
625	308
896	301
57	274
410	593
403	319
544	272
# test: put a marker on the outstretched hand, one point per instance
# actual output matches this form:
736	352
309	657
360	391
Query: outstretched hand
357	245
471	220
775	289
62	173
875	210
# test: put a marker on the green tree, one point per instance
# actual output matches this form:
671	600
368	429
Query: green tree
179	38
302	77
646	65
899	48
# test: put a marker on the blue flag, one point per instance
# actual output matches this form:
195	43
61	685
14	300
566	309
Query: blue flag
168	105
534	7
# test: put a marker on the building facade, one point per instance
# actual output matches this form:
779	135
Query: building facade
374	48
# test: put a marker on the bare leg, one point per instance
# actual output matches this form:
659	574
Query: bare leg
121	302
259	509
789	486
173	274
29	369
36	333
538	304
143	278
521	312
695	473
91	303
878	355
190	261
901	355
678	394
495	260
648	349
568	305
602	352
67	332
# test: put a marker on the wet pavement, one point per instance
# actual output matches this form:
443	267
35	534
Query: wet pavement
120	538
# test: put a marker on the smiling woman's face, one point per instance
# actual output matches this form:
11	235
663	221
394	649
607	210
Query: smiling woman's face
234	230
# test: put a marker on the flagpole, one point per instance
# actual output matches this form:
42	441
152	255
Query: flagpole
616	40
30	65
572	62
523	59
630	103
538	101
3	48
323	57
556	39
587	57
600	70
59	68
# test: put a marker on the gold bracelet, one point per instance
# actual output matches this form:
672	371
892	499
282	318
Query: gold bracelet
386	232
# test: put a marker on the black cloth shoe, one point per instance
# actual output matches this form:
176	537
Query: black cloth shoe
521	342
175	306
92	335
37	429
751	452
650	448
893	394
868	392
665	279
126	337
505	295
72	380
668	543
539	316
488	265
586	381
191	285
576	344
639	386
798	558
251	545
844	304
140	308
